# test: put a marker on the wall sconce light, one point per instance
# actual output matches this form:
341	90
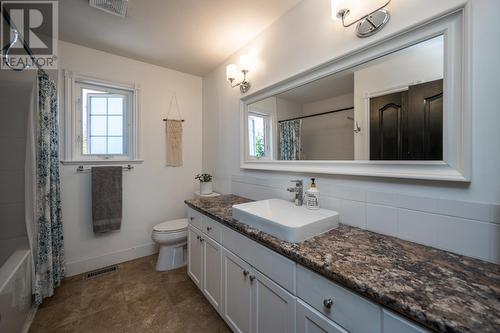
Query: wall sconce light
368	24
232	73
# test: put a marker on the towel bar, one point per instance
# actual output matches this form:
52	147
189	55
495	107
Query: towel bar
82	169
165	119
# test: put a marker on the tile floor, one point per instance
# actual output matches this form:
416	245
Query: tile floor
136	298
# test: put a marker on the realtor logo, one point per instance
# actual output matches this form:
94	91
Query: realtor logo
29	34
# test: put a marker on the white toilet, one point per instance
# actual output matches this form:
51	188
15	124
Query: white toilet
172	238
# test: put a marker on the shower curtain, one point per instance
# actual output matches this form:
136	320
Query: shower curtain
49	254
290	140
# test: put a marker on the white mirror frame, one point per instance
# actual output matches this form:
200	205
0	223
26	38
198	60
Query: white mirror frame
456	164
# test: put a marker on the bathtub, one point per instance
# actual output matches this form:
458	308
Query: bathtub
15	285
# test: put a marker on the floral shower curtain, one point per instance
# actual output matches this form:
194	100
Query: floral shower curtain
49	254
290	140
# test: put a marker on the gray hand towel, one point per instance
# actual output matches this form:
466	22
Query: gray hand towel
106	198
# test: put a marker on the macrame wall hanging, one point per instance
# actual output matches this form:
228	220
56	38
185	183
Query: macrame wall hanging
173	128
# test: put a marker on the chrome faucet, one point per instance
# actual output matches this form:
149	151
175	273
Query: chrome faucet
298	190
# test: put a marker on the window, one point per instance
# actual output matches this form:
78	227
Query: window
102	122
258	135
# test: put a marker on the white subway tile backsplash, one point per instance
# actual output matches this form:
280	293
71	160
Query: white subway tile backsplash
464	236
382	219
417	227
344	192
468	228
330	203
464	209
382	198
495	243
257	192
417	203
353	213
495	213
241	190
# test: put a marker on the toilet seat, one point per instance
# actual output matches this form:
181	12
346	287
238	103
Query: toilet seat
173	226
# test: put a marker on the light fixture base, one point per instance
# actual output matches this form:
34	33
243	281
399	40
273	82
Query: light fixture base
341	14
373	23
244	86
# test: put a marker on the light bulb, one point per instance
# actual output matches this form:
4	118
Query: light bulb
231	72
245	63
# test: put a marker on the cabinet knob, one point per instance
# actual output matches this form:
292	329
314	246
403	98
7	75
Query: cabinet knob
202	239
191	218
209	228
251	277
197	237
245	273
328	303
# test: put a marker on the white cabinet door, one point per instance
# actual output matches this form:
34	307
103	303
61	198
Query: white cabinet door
237	293
195	255
311	321
212	271
273	307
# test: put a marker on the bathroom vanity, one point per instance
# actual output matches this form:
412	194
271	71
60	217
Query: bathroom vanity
345	280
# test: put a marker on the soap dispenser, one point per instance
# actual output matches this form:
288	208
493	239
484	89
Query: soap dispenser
312	196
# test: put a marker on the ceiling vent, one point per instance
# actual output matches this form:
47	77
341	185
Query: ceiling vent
115	7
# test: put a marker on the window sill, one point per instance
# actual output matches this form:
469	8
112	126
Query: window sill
101	162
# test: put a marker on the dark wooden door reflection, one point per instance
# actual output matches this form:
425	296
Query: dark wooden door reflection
385	126
408	125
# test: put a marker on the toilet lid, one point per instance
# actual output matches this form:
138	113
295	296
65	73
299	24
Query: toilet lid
171	226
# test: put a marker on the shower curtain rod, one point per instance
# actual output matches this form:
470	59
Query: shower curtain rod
317	114
21	38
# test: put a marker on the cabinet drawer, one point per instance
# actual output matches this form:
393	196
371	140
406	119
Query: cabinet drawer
195	218
278	268
212	229
349	310
310	320
395	324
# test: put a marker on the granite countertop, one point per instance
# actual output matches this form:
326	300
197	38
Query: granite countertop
443	291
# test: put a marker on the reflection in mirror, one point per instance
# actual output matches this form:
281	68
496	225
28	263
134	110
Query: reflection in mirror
390	108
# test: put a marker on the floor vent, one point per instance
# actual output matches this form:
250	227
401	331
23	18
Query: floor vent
101	271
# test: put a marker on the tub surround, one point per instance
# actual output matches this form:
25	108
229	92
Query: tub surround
440	290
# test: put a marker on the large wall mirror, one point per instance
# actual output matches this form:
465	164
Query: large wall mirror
395	109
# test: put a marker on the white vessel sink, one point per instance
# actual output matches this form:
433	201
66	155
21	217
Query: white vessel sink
284	220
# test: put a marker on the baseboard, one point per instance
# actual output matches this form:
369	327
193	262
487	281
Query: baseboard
82	266
29	319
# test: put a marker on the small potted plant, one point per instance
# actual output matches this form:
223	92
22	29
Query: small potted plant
205	183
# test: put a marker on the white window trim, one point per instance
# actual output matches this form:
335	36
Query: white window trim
71	149
268	140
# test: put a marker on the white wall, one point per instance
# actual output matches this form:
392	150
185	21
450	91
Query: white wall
152	192
417	64
287	109
328	137
306	37
14	106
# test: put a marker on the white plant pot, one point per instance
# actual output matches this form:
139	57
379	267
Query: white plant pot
205	187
